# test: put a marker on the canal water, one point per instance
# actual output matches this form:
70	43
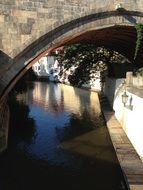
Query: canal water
58	140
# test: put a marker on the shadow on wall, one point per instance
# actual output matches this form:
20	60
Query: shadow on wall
120	87
5	60
114	88
109	90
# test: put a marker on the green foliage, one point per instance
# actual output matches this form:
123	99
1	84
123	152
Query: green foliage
84	58
139	29
139	71
81	62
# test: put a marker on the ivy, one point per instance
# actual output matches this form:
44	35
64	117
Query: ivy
139	29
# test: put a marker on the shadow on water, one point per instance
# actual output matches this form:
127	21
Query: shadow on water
78	124
22	126
21	173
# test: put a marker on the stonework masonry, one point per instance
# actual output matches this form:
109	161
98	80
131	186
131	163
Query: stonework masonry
27	20
29	27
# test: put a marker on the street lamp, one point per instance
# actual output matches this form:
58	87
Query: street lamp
124	98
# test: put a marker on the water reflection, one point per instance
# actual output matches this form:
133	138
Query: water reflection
78	110
57	97
61	113
48	120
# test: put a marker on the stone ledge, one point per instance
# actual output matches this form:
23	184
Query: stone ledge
136	187
129	160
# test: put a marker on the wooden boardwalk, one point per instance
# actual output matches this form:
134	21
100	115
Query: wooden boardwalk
130	162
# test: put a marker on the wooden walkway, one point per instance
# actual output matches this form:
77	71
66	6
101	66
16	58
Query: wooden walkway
131	164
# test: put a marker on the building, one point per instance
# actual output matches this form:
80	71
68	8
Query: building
47	67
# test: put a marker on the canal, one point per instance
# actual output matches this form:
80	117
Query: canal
58	140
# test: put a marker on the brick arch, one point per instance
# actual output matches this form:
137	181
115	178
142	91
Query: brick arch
58	36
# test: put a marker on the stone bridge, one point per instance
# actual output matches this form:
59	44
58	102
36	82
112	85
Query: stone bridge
31	28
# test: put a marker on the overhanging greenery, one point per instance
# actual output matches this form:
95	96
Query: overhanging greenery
87	59
139	29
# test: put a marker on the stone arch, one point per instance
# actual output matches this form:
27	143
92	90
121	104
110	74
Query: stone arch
68	32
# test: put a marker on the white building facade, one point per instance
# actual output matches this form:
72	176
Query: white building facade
47	67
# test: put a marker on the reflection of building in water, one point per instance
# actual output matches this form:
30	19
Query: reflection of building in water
76	99
48	96
71	100
58	97
94	103
47	67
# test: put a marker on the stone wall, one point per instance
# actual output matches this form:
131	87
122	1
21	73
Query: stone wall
113	88
130	115
25	21
31	28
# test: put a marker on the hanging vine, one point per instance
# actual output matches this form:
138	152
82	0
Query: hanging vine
139	29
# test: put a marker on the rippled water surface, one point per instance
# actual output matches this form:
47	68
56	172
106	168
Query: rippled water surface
58	140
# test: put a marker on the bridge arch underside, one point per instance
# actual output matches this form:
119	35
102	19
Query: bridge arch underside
115	32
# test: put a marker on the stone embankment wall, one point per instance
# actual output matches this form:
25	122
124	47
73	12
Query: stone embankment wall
130	114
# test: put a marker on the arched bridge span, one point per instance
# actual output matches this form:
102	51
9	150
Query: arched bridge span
32	28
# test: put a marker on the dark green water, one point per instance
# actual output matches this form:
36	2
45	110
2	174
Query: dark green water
42	118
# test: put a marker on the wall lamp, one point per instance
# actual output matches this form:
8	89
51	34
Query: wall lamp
125	98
